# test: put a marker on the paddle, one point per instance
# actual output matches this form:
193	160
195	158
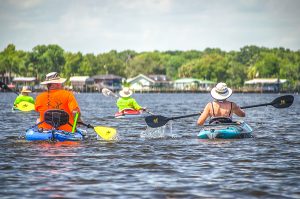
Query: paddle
75	122
284	101
106	133
106	92
25	106
155	121
4	86
22	106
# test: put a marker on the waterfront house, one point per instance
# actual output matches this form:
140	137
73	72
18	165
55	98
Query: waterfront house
110	81
192	84
264	85
19	82
82	83
149	82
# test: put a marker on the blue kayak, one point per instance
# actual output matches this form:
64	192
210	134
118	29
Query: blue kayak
235	130
34	134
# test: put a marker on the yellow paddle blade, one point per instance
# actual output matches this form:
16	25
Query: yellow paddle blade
106	133
25	106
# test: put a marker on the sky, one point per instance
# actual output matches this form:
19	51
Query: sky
97	26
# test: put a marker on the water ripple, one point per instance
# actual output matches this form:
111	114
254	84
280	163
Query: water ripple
169	162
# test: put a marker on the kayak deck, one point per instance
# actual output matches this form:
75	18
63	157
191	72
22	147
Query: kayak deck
236	130
129	113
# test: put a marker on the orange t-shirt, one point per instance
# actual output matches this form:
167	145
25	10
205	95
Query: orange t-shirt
56	99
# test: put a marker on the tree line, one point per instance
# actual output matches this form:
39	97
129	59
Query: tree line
233	67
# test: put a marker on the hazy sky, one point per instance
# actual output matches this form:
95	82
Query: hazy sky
96	26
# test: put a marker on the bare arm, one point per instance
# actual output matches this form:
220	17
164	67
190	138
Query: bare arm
205	114
238	111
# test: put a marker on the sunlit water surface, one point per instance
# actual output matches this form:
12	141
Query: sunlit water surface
146	163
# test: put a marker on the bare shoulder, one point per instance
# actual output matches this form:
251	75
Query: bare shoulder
207	107
234	105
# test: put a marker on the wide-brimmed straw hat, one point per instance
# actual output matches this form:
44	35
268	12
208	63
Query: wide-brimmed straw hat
53	78
125	92
221	91
25	89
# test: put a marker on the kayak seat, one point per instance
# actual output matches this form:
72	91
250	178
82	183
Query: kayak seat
56	118
220	120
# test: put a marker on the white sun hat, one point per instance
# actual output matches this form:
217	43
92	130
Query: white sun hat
53	78
25	89
125	92
221	91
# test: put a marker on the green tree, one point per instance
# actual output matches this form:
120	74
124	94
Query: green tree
10	61
268	65
146	63
210	66
72	64
89	65
46	59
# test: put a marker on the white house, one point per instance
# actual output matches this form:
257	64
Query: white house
265	84
143	82
192	84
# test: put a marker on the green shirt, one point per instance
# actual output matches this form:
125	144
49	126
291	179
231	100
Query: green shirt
127	103
22	98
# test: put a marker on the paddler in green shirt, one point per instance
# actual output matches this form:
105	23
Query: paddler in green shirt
24	96
127	102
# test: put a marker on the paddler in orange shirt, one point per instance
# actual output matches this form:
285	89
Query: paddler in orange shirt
56	98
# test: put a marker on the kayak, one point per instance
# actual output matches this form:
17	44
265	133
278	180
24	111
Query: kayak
234	130
130	113
34	134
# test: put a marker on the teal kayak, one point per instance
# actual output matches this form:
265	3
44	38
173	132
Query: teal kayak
234	130
34	134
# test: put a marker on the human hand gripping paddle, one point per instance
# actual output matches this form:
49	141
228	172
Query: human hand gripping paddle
156	121
22	106
106	92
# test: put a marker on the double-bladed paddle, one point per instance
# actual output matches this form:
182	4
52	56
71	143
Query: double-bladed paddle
106	133
22	106
155	121
25	106
4	86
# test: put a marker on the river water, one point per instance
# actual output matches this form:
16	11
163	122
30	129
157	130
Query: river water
166	163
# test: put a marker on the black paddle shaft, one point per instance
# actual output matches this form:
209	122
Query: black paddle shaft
184	116
257	105
86	125
280	102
